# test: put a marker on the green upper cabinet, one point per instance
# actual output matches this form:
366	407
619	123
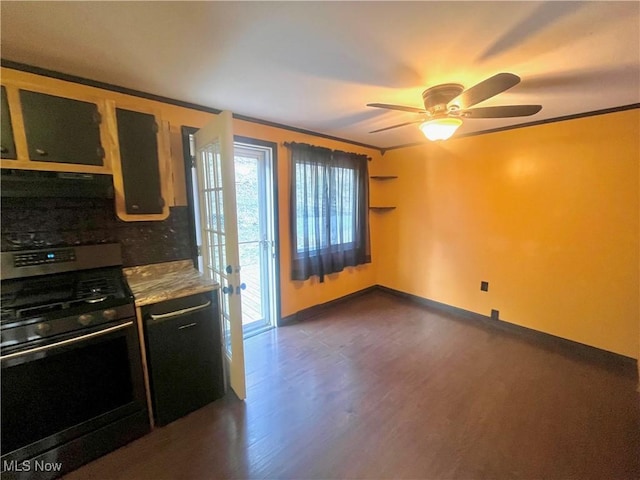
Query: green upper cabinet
7	144
140	162
61	130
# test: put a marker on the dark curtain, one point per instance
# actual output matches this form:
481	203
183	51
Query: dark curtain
329	211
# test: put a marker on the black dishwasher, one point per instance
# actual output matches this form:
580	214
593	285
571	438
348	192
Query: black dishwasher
184	355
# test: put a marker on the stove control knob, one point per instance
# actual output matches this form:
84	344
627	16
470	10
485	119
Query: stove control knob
109	314
43	328
85	319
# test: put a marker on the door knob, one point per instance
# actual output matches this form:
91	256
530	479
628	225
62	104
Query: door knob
243	286
228	290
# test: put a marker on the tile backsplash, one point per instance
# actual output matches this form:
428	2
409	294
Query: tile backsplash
34	222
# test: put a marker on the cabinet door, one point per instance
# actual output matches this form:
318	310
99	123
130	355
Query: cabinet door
61	130
8	148
138	140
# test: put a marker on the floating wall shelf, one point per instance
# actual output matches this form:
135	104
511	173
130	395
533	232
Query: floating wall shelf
387	208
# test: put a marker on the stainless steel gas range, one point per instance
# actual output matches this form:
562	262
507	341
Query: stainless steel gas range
72	382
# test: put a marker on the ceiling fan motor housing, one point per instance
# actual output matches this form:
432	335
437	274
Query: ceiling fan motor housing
445	105
436	98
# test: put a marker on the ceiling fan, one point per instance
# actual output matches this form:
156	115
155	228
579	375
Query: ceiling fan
446	105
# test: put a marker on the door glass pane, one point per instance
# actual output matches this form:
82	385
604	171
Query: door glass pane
207	164
207	210
213	160
218	168
224	311
226	327
213	251
216	219
220	210
222	252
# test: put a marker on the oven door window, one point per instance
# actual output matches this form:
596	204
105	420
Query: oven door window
65	390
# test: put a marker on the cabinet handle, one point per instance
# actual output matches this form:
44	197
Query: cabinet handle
42	152
184	311
189	325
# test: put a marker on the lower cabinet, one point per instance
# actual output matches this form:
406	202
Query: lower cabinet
184	355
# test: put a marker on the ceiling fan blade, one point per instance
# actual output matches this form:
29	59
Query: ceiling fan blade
485	89
501	111
397	107
396	126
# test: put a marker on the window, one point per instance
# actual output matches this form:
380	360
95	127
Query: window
329	207
322	225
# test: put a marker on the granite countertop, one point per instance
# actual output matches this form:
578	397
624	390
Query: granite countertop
165	281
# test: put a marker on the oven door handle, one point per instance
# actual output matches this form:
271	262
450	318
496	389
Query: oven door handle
184	311
69	341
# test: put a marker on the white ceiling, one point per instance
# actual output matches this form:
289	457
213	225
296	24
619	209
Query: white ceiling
314	65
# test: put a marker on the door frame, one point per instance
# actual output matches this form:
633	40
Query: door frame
189	162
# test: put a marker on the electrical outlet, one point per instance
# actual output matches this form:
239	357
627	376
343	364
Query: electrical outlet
484	286
495	314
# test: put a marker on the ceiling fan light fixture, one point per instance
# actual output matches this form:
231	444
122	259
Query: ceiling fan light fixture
440	128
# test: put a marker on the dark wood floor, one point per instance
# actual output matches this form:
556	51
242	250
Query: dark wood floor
382	388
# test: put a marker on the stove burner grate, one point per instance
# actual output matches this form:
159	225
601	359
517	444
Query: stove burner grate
95	288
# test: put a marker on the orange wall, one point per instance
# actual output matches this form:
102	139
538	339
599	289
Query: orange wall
548	215
295	295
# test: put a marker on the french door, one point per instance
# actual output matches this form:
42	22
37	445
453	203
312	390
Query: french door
219	235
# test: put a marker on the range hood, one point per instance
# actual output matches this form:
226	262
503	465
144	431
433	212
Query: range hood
33	183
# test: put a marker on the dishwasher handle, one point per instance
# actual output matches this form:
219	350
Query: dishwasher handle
177	313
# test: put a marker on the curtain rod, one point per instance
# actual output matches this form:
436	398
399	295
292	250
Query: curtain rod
288	145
